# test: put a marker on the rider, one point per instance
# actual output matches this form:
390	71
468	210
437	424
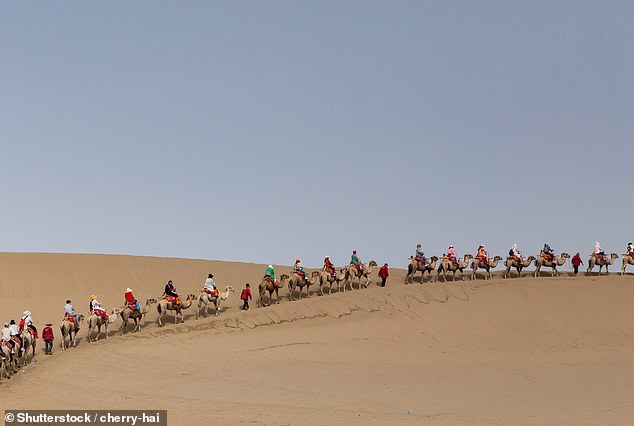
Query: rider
69	311
14	331
270	274
419	255
27	321
328	266
451	254
549	254
97	308
6	337
170	290
514	252
130	300
482	255
210	285
299	269
630	249
354	259
598	251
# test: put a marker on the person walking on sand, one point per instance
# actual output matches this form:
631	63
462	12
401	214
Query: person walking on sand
246	296
47	336
383	274
576	261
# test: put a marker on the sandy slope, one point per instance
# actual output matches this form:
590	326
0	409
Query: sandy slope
545	351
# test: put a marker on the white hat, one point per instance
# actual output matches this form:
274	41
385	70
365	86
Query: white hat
27	313
128	290
270	266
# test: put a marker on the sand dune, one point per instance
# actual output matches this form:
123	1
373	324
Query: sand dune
527	351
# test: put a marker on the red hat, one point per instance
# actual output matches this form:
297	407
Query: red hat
354	252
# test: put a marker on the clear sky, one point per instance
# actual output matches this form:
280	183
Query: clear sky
262	131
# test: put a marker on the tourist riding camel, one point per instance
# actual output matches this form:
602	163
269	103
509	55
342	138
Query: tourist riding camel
71	314
97	308
297	281
487	265
628	258
451	254
600	262
419	255
446	265
548	253
555	261
415	266
328	266
170	294
271	285
210	287
127	312
130	301
205	299
165	305
518	263
299	269
354	260
482	256
598	251
353	273
27	321
516	254
69	328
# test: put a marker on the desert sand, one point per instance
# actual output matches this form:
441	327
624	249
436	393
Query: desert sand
500	352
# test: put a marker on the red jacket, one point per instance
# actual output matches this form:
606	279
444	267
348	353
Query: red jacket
576	260
246	294
47	333
383	272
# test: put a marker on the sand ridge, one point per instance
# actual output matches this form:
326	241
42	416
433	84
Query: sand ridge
520	351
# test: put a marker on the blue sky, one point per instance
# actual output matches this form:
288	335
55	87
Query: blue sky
265	131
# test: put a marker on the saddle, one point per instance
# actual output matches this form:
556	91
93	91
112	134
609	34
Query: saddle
101	313
269	279
419	260
214	293
548	257
453	260
600	256
517	259
174	300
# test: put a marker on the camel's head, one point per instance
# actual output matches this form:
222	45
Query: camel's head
192	297
497	258
530	258
565	255
284	277
468	256
116	311
151	301
614	256
372	264
434	258
229	289
81	317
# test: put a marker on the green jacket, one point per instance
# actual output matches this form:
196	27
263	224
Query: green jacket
270	273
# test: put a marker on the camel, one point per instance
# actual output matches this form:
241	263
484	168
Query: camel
352	272
164	305
297	281
29	342
207	299
510	262
557	261
628	259
271	287
606	261
326	277
137	316
415	266
447	265
69	329
475	264
95	320
10	364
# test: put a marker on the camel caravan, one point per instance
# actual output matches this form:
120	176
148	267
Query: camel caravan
547	259
18	344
